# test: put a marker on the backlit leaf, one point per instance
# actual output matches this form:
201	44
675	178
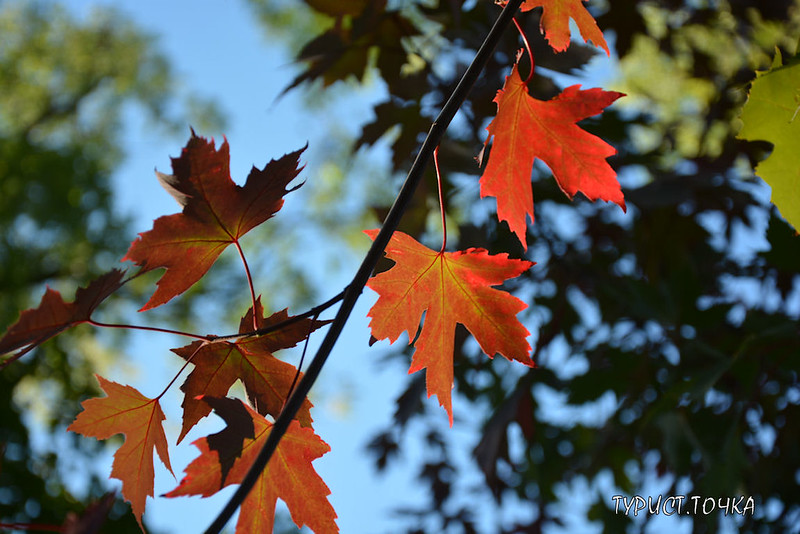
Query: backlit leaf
555	22
53	315
216	213
126	411
771	114
250	359
289	475
450	288
525	129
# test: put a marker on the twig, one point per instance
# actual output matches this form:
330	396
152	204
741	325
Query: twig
148	329
249	281
313	312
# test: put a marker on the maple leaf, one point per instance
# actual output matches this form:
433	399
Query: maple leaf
250	359
555	22
53	315
216	212
289	475
451	287
126	411
771	114
526	128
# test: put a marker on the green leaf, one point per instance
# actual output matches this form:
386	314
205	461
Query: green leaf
771	114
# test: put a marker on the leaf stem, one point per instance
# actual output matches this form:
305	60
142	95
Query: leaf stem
249	282
441	198
186	363
302	357
150	329
528	48
374	254
17	356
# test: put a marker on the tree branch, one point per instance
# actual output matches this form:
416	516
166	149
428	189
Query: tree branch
313	312
374	254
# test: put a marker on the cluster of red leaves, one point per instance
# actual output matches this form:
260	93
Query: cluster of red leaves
447	287
456	287
218	364
226	456
216	212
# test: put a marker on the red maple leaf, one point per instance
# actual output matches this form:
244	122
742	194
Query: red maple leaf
250	359
555	22
525	129
450	287
225	459
53	315
126	411
216	212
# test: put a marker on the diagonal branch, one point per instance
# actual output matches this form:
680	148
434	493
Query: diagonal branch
374	254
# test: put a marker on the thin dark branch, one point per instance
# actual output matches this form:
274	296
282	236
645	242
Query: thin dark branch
374	254
313	312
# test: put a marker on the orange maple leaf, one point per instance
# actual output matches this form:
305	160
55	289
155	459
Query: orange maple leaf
266	379
126	411
525	129
451	287
555	22
226	456
216	213
53	315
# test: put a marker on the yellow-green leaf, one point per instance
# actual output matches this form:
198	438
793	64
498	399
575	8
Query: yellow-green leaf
772	113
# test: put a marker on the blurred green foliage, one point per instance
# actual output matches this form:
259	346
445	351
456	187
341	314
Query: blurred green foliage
66	85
